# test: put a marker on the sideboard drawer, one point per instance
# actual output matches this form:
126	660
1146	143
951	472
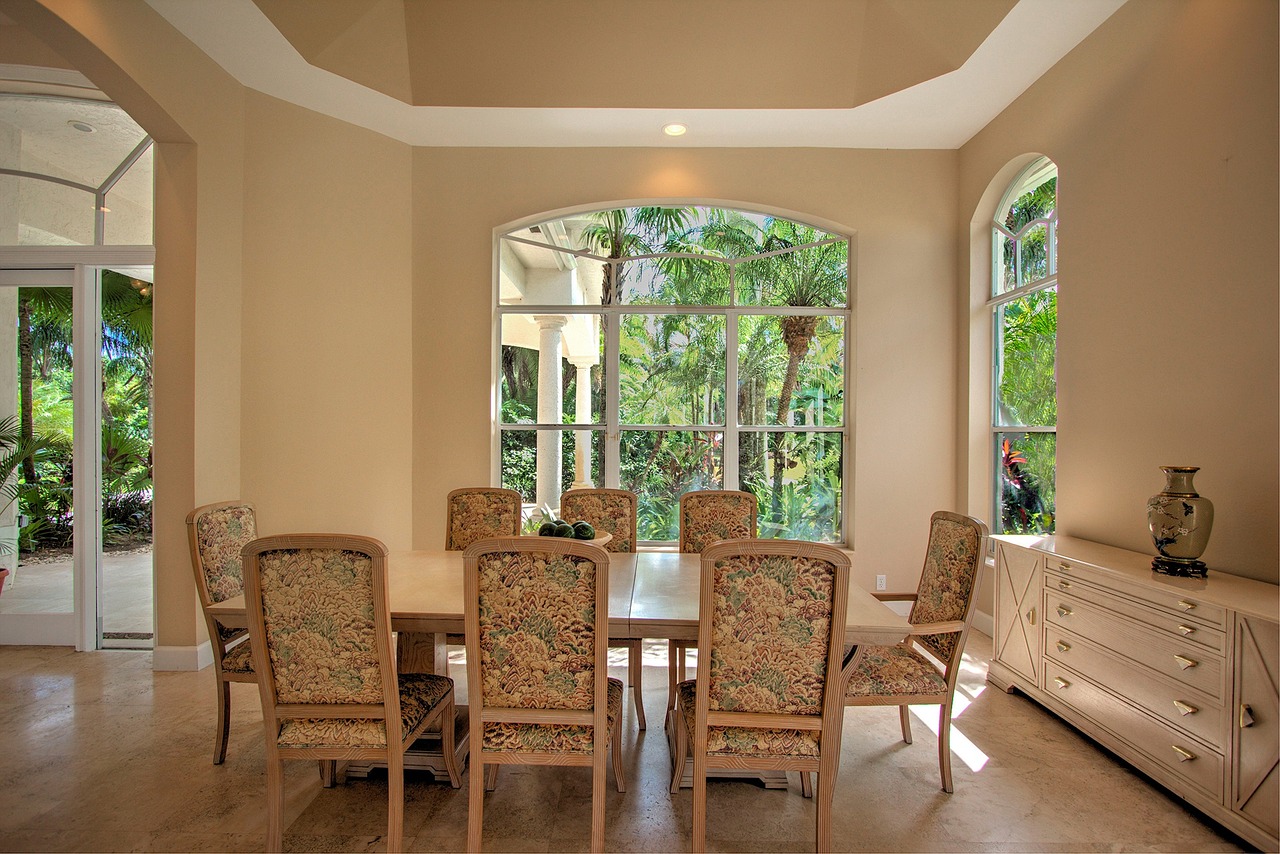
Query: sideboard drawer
1183	625
1183	708
1179	660
1171	749
1181	602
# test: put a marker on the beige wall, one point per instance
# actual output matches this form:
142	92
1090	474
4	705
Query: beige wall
1164	126
898	205
327	387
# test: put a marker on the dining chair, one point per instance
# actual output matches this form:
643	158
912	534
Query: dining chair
706	516
771	622
479	512
922	670
320	626
613	511
537	665
216	533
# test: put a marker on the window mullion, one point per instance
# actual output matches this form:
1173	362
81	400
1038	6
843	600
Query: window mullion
729	447
612	436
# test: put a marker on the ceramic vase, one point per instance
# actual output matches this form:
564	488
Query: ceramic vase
1180	520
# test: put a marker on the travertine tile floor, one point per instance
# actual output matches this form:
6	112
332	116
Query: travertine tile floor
100	753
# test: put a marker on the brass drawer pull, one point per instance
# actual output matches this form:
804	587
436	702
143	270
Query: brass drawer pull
1185	605
1185	708
1186	630
1031	617
1246	716
1063	646
1062	683
1065	567
1064	611
1064	585
1183	754
1185	662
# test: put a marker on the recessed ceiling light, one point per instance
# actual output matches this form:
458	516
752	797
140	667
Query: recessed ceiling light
83	127
674	129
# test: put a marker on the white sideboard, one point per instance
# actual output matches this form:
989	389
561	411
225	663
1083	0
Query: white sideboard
1177	676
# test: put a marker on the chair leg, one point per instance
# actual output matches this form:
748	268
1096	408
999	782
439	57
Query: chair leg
672	670
491	777
944	746
826	794
904	715
699	841
395	799
224	720
619	778
475	800
597	807
680	756
447	747
275	802
635	671
806	784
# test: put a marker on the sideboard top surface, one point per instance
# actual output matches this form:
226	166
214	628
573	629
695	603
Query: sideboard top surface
1234	592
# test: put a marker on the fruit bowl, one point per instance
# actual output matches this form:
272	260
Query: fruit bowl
598	540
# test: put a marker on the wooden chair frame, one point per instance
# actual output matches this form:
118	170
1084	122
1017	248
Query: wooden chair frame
950	669
677	650
388	711
597	718
829	724
220	646
633	646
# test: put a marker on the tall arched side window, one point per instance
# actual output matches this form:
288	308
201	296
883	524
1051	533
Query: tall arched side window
1024	306
670	349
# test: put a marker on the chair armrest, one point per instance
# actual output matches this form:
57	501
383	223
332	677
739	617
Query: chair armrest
937	628
895	597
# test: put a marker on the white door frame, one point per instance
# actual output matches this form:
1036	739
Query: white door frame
83	263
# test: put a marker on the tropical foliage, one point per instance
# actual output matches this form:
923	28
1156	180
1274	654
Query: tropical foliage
673	363
43	485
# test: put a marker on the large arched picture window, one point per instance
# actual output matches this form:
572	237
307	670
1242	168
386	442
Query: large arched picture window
669	349
1024	303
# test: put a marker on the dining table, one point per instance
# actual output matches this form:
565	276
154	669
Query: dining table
652	594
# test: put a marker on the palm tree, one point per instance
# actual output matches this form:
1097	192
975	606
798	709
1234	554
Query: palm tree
627	232
44	333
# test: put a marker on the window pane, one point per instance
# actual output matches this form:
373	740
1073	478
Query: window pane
797	478
815	396
672	369
815	276
41	213
1026	384
1031	245
542	275
1028	465
674	281
520	460
1006	249
128	220
577	338
660	466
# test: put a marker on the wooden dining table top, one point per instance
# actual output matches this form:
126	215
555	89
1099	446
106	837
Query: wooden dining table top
652	594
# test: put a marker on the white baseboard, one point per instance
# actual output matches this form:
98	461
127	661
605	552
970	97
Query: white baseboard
38	629
182	657
984	623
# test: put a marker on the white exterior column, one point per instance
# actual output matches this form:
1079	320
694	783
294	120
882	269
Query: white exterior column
582	415
550	408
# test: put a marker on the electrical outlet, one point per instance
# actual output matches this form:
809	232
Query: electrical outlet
879	582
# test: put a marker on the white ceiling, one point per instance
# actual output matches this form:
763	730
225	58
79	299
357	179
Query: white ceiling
942	113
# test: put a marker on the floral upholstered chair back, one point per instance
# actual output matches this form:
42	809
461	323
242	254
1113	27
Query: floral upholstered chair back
610	511
477	513
773	618
713	514
957	547
320	603
537	620
217	533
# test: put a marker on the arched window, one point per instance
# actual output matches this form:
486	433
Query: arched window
1024	306
689	348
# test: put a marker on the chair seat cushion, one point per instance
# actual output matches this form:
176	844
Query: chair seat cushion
894	671
420	693
551	738
239	659
746	741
